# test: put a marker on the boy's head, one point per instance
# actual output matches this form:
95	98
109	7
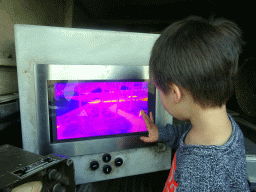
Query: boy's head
198	57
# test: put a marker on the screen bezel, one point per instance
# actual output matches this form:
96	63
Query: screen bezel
44	72
52	121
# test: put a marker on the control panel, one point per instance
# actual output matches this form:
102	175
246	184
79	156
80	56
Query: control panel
94	165
117	164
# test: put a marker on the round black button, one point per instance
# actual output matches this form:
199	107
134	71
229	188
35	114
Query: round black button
118	161
107	169
94	165
58	188
106	157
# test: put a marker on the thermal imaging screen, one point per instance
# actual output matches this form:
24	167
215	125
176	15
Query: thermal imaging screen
80	109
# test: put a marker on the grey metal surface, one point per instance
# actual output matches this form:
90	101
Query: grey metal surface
8	97
135	162
82	72
58	45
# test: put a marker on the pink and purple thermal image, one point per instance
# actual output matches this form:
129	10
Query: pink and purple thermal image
90	109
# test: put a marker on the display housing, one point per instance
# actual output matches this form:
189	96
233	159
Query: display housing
94	106
52	55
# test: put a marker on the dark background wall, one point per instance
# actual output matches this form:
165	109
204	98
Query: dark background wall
155	15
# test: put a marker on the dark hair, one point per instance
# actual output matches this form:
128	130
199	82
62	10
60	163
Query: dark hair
199	56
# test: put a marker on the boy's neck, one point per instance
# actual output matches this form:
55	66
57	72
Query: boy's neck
211	124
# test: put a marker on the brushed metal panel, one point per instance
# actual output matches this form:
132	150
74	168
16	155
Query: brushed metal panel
44	72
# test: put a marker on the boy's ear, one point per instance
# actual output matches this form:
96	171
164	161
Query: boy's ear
176	97
177	92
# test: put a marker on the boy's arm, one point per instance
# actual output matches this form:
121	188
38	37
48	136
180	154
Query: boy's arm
172	134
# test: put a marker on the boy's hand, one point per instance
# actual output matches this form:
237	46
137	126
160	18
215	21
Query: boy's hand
151	127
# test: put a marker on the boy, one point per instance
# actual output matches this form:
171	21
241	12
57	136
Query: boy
194	65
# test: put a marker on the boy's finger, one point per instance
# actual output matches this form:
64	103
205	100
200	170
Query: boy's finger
146	121
145	139
144	114
151	116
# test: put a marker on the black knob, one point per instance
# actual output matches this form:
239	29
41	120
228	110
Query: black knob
106	157
107	169
94	165
54	174
118	161
58	188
